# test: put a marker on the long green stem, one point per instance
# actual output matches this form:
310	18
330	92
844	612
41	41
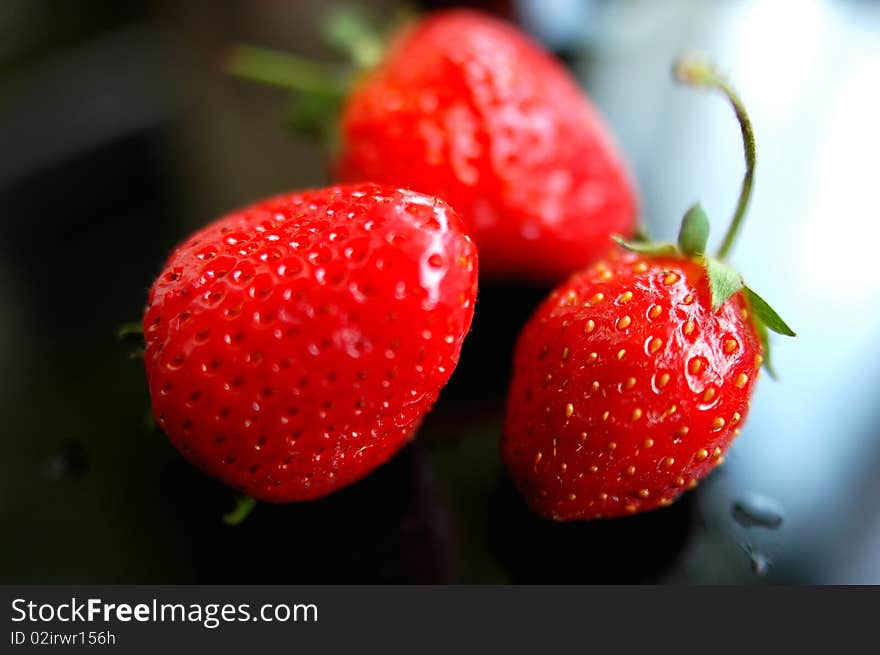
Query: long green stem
286	70
697	72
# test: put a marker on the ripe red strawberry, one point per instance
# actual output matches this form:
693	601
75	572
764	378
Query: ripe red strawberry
632	378
627	388
468	108
295	345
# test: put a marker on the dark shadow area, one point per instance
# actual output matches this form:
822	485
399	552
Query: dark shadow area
391	527
635	549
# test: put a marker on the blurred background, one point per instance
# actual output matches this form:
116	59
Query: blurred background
120	134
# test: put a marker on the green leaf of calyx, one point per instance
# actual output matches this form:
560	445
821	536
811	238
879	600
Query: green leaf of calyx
723	282
767	314
244	505
694	232
764	338
648	247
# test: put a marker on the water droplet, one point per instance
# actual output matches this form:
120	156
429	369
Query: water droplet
759	563
754	510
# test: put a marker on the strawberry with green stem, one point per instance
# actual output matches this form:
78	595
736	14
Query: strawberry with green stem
467	108
634	377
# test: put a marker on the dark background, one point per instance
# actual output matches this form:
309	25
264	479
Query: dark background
119	134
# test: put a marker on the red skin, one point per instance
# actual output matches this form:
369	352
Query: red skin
469	109
295	345
644	453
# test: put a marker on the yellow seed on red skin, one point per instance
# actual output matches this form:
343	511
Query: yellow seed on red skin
709	394
696	365
688	299
592	357
644	493
594	468
683	430
664	502
590	326
565	353
599	297
605	415
663	380
630	383
671	278
668	462
649	442
702	454
641	267
625	297
759	361
630	508
637	414
623	322
569	410
689	327
655	311
679	482
630	470
572	497
571	297
538	457
602	496
717	423
655	345
583	436
741	380
621	353
605	275
730	345
717	452
612	445
692	484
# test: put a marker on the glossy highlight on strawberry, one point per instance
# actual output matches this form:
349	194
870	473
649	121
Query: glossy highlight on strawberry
468	108
628	388
295	345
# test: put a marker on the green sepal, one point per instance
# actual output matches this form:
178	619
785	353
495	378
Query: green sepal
764	338
647	247
767	314
349	31
315	116
244	505
694	232
723	282
127	330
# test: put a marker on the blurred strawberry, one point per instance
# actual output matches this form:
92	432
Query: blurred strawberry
466	107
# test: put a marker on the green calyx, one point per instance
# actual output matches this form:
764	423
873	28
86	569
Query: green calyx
693	235
318	90
244	505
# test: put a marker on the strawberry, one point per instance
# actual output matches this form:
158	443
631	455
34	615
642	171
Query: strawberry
295	345
634	376
466	107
